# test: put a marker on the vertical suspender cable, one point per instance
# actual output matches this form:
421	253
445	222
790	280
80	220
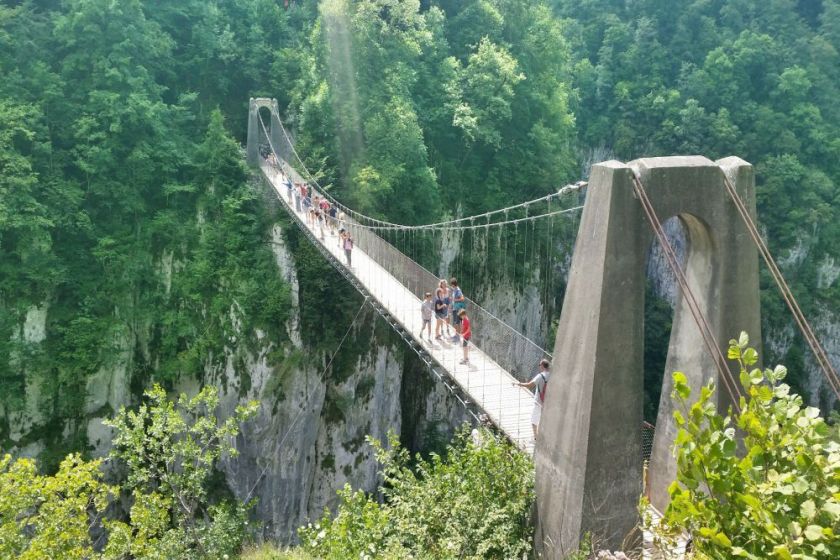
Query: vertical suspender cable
525	256
515	252
471	262
488	253
549	242
504	253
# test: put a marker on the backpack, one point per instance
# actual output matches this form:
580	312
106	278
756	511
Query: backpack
544	387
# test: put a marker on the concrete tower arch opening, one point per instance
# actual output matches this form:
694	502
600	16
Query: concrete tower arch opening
588	456
266	107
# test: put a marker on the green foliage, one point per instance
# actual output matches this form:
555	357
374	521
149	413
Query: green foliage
125	208
169	451
50	516
474	91
776	494
472	503
759	81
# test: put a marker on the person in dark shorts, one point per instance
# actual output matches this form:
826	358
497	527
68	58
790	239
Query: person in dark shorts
458	303
332	212
441	312
314	208
448	301
307	207
466	335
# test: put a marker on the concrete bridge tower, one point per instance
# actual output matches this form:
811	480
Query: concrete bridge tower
589	451
275	132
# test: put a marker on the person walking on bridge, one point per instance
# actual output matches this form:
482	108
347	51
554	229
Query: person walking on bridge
347	244
298	198
307	207
333	213
426	309
466	335
458	303
341	228
538	383
319	217
445	295
441	309
288	184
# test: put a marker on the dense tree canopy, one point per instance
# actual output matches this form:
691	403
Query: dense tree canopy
719	78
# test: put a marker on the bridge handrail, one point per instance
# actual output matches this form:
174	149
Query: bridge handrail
512	350
384	224
503	351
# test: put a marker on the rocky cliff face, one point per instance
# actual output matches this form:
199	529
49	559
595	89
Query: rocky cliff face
783	339
308	439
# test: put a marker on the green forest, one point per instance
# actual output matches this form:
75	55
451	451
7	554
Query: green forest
128	216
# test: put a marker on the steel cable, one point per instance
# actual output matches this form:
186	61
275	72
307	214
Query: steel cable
706	332
790	300
567	189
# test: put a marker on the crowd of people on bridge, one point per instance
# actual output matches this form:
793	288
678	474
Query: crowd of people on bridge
447	306
450	313
320	214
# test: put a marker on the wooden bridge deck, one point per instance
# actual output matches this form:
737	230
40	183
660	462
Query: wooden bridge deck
488	385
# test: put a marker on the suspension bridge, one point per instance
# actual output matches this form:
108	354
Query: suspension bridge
394	283
589	449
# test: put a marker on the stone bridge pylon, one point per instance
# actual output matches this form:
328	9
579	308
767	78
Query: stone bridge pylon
275	130
588	455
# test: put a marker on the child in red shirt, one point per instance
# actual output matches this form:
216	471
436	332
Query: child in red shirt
466	335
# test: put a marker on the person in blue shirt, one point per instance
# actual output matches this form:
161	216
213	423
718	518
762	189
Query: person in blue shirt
458	303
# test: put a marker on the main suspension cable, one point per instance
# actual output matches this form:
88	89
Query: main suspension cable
477	226
567	189
709	339
804	326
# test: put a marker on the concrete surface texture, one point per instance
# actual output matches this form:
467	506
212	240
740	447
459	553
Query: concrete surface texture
588	454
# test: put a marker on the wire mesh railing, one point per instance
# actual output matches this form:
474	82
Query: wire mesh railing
398	283
513	351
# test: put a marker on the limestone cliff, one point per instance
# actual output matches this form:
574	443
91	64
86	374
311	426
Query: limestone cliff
308	439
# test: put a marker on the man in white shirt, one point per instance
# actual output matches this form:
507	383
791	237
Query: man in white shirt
538	383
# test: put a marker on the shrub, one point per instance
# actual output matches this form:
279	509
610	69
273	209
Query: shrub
170	450
268	552
777	495
45	516
473	503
